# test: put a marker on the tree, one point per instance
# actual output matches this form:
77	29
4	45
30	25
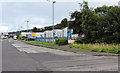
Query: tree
89	23
113	26
76	22
103	9
64	23
34	29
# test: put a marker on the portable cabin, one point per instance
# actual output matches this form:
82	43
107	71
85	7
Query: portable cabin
67	33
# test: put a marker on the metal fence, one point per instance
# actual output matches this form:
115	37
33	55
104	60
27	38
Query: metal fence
50	40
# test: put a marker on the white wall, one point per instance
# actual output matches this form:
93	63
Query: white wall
49	33
74	36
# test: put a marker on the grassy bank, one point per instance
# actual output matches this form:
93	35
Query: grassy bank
45	43
108	48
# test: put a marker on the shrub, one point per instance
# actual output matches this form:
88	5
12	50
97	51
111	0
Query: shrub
30	39
22	38
56	41
61	41
79	40
100	40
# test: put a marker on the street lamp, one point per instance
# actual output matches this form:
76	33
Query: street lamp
21	32
53	2
27	28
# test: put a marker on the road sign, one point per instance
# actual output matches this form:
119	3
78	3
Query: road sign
33	34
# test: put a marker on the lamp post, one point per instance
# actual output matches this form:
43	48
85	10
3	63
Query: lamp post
27	28
53	2
53	21
20	33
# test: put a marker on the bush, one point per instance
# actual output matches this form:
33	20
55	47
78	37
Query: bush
61	41
79	40
22	38
100	40
30	39
56	41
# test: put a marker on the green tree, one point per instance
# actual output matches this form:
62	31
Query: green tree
76	22
113	26
64	23
103	9
34	29
89	23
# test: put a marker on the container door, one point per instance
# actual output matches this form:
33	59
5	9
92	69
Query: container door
69	35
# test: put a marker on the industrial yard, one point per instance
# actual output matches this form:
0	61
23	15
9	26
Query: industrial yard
56	36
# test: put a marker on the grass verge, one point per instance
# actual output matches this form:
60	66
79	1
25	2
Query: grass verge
108	48
49	47
45	43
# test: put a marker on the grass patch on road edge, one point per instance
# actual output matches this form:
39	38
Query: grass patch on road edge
45	43
108	48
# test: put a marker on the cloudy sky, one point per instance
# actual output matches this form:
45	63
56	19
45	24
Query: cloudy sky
39	13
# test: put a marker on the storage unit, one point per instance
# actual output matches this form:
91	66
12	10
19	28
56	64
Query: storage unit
75	36
48	34
25	33
57	33
40	34
67	33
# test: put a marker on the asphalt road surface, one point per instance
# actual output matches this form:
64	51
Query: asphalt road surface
0	55
18	56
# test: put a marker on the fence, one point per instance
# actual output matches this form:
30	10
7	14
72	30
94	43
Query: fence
50	40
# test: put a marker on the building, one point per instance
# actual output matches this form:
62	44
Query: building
58	33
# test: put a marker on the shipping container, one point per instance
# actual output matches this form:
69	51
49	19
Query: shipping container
41	34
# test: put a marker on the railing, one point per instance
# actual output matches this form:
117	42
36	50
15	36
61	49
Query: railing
50	40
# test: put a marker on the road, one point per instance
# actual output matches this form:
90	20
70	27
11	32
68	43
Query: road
18	56
0	55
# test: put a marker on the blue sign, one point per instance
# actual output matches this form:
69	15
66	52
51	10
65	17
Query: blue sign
29	36
83	35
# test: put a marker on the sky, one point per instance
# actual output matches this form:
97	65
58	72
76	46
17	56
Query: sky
39	13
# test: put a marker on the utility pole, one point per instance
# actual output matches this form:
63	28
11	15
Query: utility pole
27	29
53	21
53	2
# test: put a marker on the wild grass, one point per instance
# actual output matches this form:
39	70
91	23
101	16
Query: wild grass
45	43
108	48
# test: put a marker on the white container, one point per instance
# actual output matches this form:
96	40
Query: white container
40	34
74	36
48	34
58	33
25	33
65	30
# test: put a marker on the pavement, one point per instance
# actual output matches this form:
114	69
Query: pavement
19	56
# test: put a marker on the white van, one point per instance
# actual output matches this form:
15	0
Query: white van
15	37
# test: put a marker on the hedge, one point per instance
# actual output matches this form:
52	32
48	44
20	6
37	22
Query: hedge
61	41
22	38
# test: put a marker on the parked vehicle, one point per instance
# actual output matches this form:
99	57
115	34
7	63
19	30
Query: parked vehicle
15	37
5	37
